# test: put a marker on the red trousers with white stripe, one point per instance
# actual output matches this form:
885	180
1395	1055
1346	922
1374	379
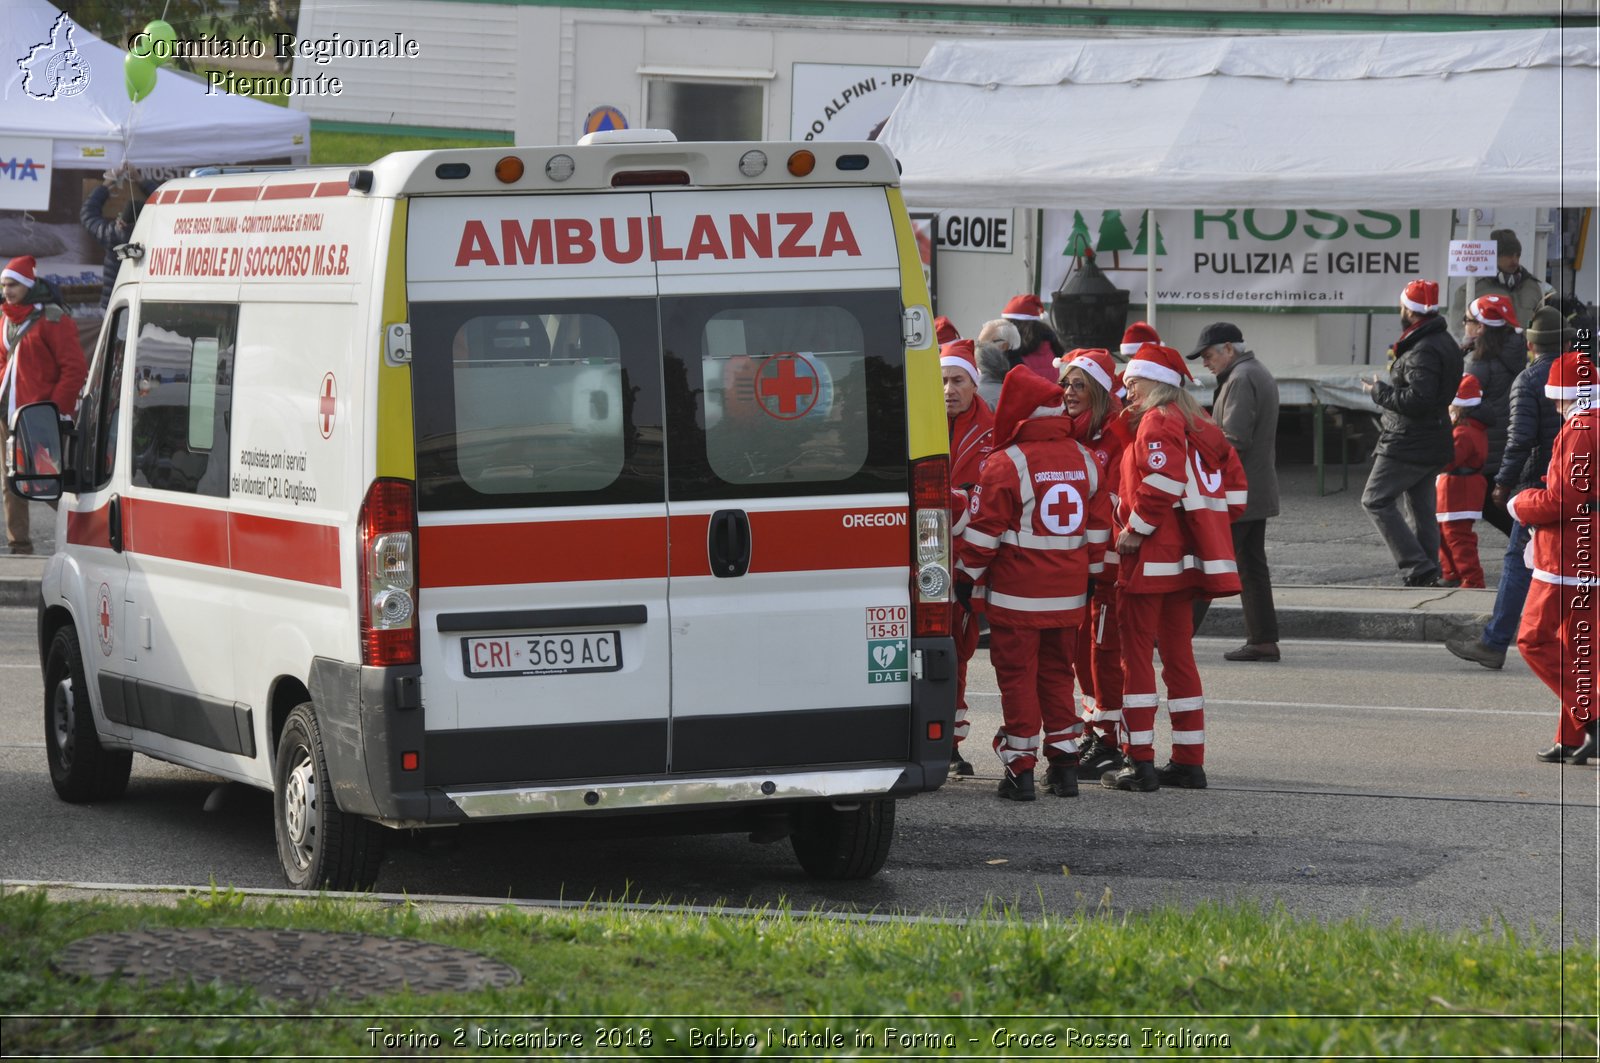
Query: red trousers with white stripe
1167	620
966	632
1557	639
1458	552
1034	669
1098	663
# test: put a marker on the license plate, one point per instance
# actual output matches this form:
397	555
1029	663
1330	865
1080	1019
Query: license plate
544	653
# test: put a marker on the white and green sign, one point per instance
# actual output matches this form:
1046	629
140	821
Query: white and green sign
1253	258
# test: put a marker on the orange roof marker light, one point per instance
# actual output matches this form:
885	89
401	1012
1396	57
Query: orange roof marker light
509	170
801	163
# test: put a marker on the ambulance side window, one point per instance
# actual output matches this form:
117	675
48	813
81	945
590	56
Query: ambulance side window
102	406
182	398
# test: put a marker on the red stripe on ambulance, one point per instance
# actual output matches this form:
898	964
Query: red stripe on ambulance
561	551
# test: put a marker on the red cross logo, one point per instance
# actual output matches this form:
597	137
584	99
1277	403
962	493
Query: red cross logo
788	378
326	405
104	618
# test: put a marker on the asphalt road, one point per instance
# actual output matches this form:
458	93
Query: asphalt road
1389	780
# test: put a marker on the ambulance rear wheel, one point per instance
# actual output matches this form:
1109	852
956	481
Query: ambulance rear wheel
319	846
81	769
842	844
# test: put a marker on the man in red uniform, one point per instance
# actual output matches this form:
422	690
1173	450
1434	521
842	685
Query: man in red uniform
1028	541
40	361
1559	621
971	439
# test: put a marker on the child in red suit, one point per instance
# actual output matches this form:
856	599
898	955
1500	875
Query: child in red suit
1460	490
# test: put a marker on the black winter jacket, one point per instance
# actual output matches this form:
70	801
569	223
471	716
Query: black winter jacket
1533	429
108	232
1495	375
1423	378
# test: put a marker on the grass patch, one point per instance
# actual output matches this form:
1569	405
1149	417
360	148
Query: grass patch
1217	981
336	147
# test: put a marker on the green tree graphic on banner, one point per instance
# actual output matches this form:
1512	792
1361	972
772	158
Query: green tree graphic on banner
1113	236
1078	240
1141	246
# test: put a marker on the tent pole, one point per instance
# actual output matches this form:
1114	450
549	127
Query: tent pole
1466	282
1152	241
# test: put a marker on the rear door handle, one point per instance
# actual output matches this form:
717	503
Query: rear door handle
728	543
114	522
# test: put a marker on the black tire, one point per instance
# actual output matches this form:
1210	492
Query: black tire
319	847
831	844
81	769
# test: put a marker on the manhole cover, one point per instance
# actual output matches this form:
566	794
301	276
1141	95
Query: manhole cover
303	965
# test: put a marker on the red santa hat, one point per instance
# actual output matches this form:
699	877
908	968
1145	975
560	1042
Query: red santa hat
1024	308
1160	364
1420	296
960	355
1495	311
1470	393
1025	396
1139	333
21	269
945	330
1572	378
1095	361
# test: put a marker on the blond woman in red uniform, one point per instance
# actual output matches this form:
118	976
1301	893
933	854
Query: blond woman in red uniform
1178	482
1560	622
1088	378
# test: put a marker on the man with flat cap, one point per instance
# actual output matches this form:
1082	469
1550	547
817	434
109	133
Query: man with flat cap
1510	280
1246	408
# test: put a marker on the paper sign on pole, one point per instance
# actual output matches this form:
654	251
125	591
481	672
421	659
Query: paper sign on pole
1472	258
25	169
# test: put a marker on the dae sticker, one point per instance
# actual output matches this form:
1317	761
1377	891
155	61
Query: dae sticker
887	660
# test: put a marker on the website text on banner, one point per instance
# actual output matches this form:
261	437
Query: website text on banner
1326	260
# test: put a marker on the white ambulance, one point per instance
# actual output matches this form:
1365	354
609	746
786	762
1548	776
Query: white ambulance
478	484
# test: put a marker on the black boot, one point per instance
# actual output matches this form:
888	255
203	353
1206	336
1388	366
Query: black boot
1062	777
1017	787
1188	776
1556	753
959	764
1099	757
1139	776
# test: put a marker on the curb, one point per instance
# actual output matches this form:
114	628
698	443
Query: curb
1332	622
19	592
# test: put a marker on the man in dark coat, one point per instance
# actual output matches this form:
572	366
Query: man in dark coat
1414	441
1246	409
1529	441
111	232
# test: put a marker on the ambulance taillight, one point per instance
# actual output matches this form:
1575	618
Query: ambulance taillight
388	574
930	565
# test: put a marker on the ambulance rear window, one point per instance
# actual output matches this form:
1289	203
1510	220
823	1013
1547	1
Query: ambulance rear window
533	404
791	393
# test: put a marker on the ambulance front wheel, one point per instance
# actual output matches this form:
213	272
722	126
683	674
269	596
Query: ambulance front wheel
319	846
81	769
834	843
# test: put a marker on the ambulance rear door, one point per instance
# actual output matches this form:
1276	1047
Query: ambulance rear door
788	480
542	556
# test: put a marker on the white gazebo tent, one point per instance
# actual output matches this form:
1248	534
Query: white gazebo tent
1501	118
179	124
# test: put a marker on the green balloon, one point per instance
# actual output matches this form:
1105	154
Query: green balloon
157	30
138	76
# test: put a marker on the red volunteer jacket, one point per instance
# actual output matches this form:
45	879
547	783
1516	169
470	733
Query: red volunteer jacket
1107	448
1036	523
971	440
1459	490
1561	513
1181	490
50	363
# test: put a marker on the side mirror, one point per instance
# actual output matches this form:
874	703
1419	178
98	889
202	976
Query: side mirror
34	460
